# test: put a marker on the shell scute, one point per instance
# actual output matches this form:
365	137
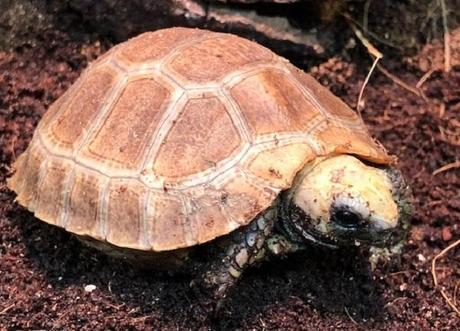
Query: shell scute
207	219
154	46
193	138
124	135
125	214
83	212
271	103
50	197
72	123
339	140
243	198
333	106
168	226
28	178
285	161
213	58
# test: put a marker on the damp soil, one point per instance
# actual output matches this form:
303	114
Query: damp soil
44	270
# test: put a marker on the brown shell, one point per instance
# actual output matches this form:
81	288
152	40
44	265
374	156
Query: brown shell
179	136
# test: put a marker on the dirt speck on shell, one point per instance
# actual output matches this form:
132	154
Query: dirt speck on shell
44	270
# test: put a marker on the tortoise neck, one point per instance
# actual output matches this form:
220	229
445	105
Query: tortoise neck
284	225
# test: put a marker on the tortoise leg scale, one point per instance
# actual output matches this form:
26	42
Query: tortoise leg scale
246	248
251	244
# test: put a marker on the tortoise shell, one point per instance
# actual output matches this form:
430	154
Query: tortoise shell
179	136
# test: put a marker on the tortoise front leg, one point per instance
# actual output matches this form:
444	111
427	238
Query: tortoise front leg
247	247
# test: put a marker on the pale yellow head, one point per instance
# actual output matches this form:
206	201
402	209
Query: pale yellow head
342	199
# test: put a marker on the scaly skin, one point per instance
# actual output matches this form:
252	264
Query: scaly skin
247	246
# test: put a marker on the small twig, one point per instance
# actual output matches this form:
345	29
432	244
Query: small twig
6	309
366	15
442	109
399	272
133	310
59	319
264	326
435	277
446	167
455	292
140	318
370	33
371	50
441	254
398	81
435	203
449	302
396	300
424	78
358	103
422	81
446	36
12	148
115	307
349	316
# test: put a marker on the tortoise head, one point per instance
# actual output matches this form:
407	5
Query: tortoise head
342	201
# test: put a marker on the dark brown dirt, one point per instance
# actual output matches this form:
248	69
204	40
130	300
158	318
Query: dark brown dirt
43	270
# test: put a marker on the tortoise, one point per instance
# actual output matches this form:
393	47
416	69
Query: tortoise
197	148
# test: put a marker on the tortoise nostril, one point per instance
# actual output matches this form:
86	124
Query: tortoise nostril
347	218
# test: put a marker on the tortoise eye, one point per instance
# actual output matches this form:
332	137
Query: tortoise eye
347	218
